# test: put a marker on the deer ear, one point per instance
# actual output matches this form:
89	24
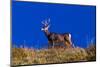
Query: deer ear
42	22
42	29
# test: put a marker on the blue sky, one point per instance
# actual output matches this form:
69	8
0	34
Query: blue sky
75	19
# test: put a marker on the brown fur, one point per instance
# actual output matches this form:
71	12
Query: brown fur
58	38
54	38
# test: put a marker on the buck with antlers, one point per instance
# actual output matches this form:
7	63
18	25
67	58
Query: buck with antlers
55	38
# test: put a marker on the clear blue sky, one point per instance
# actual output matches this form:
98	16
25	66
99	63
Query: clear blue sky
78	20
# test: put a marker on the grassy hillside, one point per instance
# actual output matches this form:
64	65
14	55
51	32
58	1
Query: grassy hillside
24	56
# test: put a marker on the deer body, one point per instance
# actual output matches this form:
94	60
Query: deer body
54	38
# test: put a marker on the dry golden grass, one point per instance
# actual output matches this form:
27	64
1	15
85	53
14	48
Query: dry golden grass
24	56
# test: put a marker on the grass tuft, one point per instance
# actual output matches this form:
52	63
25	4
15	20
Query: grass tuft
24	56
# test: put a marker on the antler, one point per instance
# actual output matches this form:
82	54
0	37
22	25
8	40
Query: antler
42	22
46	22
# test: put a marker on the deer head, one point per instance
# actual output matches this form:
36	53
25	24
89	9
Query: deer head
45	25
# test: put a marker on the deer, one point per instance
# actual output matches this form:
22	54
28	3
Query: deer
54	38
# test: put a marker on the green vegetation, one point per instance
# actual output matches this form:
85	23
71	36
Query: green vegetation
24	56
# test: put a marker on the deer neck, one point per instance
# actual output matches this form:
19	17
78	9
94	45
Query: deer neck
47	32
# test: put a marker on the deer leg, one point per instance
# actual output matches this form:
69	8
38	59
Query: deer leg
68	45
53	44
64	45
68	42
50	44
